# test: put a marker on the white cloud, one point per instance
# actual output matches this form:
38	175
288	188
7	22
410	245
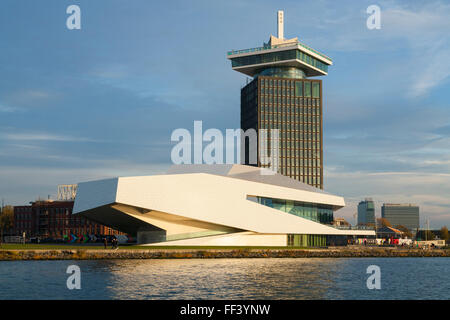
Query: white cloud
4	108
29	98
43	136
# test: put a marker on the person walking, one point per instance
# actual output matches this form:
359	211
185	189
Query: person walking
114	243
105	242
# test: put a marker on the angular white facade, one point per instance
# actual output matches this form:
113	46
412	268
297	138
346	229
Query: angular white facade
207	205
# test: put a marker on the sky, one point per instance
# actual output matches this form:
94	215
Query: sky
102	101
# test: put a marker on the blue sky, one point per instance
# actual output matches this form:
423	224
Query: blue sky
79	105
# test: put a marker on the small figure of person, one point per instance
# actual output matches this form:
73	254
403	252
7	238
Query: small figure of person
105	242
114	243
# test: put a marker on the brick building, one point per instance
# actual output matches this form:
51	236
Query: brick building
54	219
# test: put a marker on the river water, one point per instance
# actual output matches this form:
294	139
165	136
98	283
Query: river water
317	278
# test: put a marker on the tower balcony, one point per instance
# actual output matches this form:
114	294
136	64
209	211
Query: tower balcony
291	54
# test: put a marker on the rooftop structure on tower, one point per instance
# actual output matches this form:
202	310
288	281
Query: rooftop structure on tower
288	54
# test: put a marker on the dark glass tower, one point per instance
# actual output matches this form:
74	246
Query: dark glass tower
283	96
366	212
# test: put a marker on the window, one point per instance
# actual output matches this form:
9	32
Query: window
299	88
307	89
315	90
311	211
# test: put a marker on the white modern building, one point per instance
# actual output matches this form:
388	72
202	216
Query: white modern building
215	205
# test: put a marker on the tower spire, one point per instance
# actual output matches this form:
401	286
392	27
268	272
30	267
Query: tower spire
280	24
279	39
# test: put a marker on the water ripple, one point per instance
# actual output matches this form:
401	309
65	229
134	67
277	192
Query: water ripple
401	278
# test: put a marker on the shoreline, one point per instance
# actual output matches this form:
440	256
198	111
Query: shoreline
108	254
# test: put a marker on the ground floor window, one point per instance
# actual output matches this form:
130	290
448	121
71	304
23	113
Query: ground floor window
306	240
315	240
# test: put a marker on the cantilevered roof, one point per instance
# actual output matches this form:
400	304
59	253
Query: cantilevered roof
309	59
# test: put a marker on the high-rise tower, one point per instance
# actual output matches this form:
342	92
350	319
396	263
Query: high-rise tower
366	212
283	96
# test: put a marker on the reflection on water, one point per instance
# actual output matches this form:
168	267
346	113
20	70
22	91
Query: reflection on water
222	279
401	278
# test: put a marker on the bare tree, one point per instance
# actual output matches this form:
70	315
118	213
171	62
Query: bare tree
444	233
405	230
383	222
6	220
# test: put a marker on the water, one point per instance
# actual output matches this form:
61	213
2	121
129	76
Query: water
401	278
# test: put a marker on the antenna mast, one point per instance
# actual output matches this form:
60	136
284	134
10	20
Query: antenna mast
280	24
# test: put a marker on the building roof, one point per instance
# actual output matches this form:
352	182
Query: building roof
271	46
388	230
244	172
252	61
399	205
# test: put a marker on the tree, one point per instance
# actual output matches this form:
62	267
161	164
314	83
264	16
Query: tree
370	225
383	222
444	233
6	219
405	230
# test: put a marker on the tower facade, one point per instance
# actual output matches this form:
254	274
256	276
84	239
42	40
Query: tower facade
283	96
406	215
366	212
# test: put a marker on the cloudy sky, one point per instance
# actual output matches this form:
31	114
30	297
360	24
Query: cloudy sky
79	105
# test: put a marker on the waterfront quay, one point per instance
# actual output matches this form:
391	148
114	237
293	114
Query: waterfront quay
214	253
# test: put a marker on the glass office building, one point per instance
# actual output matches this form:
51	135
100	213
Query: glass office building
366	212
406	215
282	95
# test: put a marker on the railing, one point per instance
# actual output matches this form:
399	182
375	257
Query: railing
353	227
298	43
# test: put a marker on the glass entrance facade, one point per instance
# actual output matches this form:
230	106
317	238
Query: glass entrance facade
307	240
316	240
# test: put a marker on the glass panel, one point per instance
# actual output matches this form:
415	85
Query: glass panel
290	206
315	90
299	89
311	211
264	58
279	204
307	92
